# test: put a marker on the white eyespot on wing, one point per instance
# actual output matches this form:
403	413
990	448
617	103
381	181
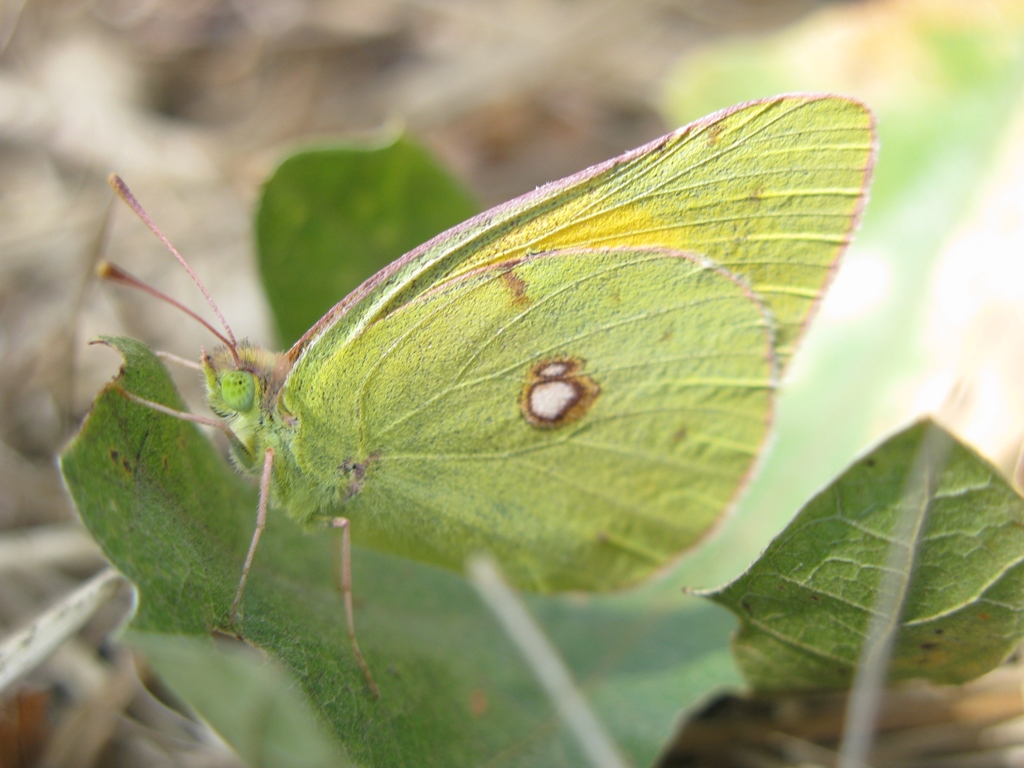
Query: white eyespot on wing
557	392
554	370
551	400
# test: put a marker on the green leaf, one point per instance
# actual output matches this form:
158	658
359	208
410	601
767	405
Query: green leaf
806	605
331	217
176	520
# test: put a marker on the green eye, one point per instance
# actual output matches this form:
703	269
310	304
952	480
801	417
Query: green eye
238	390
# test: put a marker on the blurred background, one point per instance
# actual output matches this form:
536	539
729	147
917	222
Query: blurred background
194	102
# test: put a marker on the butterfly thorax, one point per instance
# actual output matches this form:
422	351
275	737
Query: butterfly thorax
248	389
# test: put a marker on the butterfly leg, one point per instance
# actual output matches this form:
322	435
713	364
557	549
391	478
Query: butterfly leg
345	585
261	523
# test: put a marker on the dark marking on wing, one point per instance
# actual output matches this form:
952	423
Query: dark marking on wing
516	287
557	392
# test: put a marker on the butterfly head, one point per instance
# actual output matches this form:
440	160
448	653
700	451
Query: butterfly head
239	390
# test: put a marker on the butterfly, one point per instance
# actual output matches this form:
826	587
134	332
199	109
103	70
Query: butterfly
577	381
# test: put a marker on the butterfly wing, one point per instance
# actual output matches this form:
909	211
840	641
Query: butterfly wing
579	380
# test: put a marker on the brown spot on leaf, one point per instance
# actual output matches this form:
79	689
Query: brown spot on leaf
679	435
478	703
115	456
557	392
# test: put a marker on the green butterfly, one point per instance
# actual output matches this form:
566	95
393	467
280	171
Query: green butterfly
577	381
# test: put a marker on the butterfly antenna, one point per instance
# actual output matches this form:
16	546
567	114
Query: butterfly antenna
108	271
118	185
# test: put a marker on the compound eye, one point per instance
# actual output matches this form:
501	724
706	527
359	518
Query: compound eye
238	390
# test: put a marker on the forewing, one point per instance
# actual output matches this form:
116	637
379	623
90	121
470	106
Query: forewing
584	415
771	190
